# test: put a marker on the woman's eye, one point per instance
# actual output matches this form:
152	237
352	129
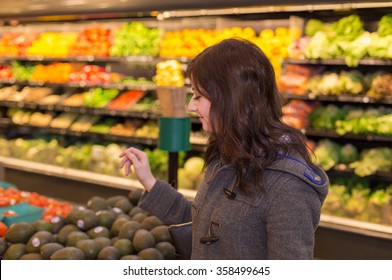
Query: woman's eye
196	97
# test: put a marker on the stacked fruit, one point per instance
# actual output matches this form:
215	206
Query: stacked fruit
57	72
275	44
11	196
189	42
110	228
95	41
15	44
191	175
5	72
135	38
53	44
93	74
169	73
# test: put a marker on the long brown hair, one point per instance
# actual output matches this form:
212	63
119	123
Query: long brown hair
245	114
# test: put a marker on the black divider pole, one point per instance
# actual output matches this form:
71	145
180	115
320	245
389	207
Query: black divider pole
173	169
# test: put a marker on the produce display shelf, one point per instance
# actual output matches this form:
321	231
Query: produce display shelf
70	173
80	109
118	86
339	98
348	172
4	122
333	134
129	59
76	175
338	61
340	238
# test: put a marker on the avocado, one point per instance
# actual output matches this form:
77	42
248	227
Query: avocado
98	231
68	253
15	251
131	257
150	222
115	229
139	217
37	240
167	249
109	253
143	239
97	203
42	225
123	216
135	195
124	246
75	236
19	233
161	233
58	222
62	236
83	218
135	210
150	254
3	246
31	256
106	218
128	229
49	248
124	204
89	247
114	239
113	199
103	242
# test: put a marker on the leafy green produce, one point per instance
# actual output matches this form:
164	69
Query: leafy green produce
381	46
373	160
321	46
348	28
22	72
326	117
314	25
327	154
348	153
99	97
385	25
355	49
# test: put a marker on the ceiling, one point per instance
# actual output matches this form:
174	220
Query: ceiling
19	9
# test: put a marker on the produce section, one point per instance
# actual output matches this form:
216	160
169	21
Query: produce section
105	229
336	86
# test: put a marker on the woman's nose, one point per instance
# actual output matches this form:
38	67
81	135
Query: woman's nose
191	106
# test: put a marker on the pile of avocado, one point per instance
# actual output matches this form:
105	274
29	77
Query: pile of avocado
113	228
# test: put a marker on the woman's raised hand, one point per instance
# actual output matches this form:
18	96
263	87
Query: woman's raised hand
141	166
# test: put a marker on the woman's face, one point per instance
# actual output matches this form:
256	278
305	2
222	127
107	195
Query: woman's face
200	105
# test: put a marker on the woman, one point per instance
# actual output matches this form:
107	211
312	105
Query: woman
261	195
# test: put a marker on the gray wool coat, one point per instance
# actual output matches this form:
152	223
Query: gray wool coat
279	223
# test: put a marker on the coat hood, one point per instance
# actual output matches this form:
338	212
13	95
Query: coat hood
313	175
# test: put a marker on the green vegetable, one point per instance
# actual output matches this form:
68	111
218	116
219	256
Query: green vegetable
348	153
348	28
385	25
373	160
327	154
315	25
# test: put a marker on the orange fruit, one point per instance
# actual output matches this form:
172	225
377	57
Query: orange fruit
3	229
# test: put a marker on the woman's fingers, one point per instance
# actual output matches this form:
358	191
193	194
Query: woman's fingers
131	157
127	168
123	161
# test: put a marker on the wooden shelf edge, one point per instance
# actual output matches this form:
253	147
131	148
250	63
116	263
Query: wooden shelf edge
79	175
357	227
